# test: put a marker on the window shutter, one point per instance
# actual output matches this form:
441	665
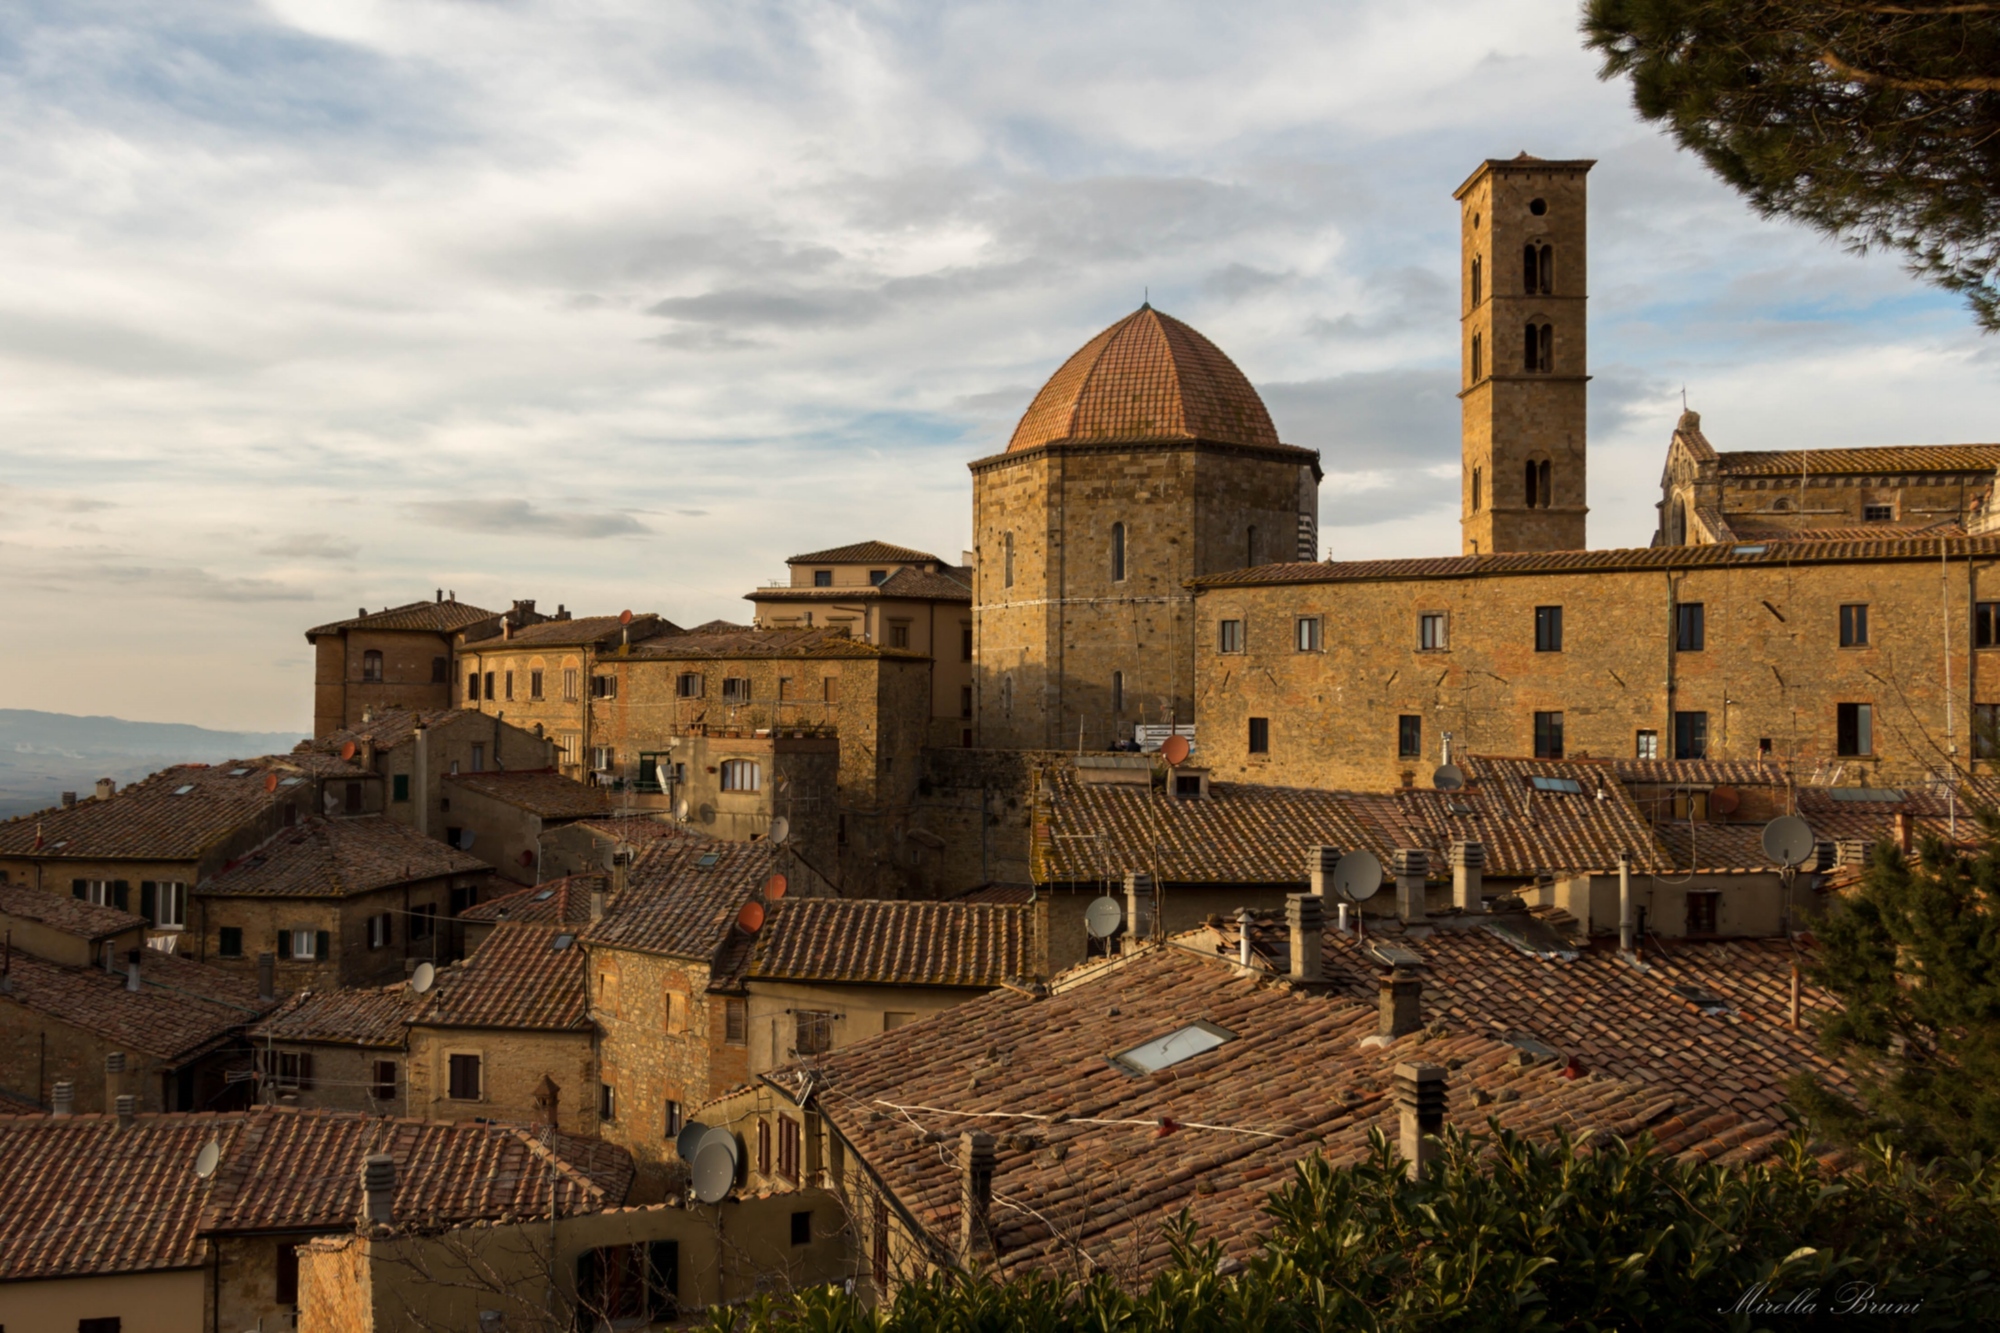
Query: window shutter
121	895
285	944
322	946
305	1073
77	890
388	928
148	902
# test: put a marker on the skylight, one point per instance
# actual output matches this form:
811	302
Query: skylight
1151	1057
1570	785
1864	793
1749	550
708	859
290	782
562	942
1708	1003
545	895
184	789
238	772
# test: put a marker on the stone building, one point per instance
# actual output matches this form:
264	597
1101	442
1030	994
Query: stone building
507	817
413	754
1146	460
338	1050
398	657
894	596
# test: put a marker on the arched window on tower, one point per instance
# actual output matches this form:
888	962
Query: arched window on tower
1547	255
1117	552
1478	283
1538	347
1007	560
1547	487
1530	270
1478	360
1475	490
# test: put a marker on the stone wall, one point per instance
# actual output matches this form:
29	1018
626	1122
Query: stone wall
651	1060
353	963
512	1063
340	695
343	1075
974	805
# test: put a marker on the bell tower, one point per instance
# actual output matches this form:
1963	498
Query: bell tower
1522	362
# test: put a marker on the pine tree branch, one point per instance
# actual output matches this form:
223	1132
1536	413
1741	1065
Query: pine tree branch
1968	84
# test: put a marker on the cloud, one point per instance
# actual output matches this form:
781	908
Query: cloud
313	546
509	517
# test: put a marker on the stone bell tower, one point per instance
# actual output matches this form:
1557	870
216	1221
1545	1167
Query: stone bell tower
1522	355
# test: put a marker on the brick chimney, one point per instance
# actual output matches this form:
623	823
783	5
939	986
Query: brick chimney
68	799
1140	901
1419	1092
977	1157
1468	876
114	1076
1400	1003
547	1099
1903	831
267	976
378	1190
596	905
1412	865
1320	864
1305	920
132	969
106	789
62	1099
128	1110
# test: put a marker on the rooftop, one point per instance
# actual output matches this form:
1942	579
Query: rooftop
386	729
950	584
439	616
60	911
564	901
682	894
362	1016
1878	459
181	1009
866	553
895	943
541	792
576	632
336	858
522	976
742	643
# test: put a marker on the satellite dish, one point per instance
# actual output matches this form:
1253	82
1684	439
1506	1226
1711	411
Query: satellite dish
625	617
1174	749
1724	800
681	811
465	840
774	888
207	1160
781	829
1358	876
332	803
270	782
423	977
347	750
1449	777
1788	840
1103	917
706	814
715	1166
751	918
527	856
689	1140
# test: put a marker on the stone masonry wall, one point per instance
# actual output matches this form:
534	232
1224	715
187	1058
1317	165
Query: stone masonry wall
512	1063
651	1061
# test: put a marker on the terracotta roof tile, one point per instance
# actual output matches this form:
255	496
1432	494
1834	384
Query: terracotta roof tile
367	1016
674	904
577	632
181	1009
743	642
895	943
62	912
542	792
564	901
177	814
334	858
388	729
522	976
866	553
949	585
1879	459
1856	532
440	617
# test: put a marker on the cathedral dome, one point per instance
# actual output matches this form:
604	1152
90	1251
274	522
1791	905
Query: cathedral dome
1147	377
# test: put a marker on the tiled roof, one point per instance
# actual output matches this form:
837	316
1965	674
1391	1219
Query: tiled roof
333	858
1581	562
62	912
181	1008
564	901
387	729
543	792
522	977
1699	772
739	642
1856	532
949	585
154	819
576	632
720	626
1880	459
1093	1158
866	553
366	1016
1147	377
672	904
437	616
895	943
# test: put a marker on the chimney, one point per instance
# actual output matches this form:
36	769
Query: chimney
132	969
267	976
1320	863
1468	876
106	789
378	1190
621	862
128	1110
440	596
1419	1093
1400	1001
62	1100
1412	865
114	1075
1244	919
1305	919
1903	831
547	1098
506	627
976	1155
367	754
596	905
367	715
1139	904
360	610
68	799
1625	903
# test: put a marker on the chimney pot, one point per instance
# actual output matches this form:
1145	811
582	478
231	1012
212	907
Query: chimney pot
62	1099
1468	876
128	1110
106	789
68	799
1305	920
1244	918
378	1189
1412	866
1399	1002
267	976
596	906
1320	865
114	1063
1420	1097
114	1076
440	594
132	969
1140	902
977	1157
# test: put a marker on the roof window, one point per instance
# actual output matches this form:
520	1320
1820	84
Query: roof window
290	782
1570	785
184	789
708	859
238	772
1151	1057
561	942
545	895
1749	550
1864	793
1708	1003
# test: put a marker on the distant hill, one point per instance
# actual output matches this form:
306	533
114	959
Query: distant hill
43	755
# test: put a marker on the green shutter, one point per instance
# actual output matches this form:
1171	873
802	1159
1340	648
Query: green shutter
148	901
323	946
285	944
77	890
121	895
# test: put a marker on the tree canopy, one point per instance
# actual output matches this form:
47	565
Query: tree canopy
1876	123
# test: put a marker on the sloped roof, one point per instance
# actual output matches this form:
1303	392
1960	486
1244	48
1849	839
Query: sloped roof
156	820
60	911
523	976
336	858
866	553
1877	459
564	901
744	643
436	616
673	904
951	584
576	632
541	791
181	1009
894	943
388	729
363	1015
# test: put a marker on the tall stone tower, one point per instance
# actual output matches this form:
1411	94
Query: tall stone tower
1522	355
1146	460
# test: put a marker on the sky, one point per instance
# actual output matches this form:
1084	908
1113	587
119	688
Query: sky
315	304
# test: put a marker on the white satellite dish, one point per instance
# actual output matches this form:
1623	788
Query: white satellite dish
1103	917
1788	840
715	1166
423	977
207	1160
681	810
1358	876
781	829
465	840
1449	777
332	803
689	1139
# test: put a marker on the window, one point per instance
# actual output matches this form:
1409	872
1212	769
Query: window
1477	478
287	1271
893	1019
736	1022
899	634
802	1227
570	682
604	687
1537	269
1986	625
1647	745
569	744
1478	361
423	921
1701	912
399	787
1690	807
1409	736
489	685
305	944
1431	632
1548	735
736	689
1187	786
1548	629
1151	1057
229	942
965	701
464	1078
1117	692
1260	735
687	685
478	757
1007	567
878	1259
1855	728
677	1013
600	758
1307	634
1854	625
812	1031
965	643
607	1102
535	684
625	1285
877	577
1229	636
289	1070
741	775
763	1147
354	803
829	689
1986	731
164	903
371	666
440	670
379	930
472	687
1478	282
1538	492
1117	552
822	578
383	1088
788	1148
104	1324
1690	627
1878	513
1691	735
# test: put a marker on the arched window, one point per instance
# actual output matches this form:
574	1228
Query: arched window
741	775
1679	535
1548	348
1538	347
371	665
1477	283
1117	552
1530	270
1531	494
1007	571
1250	546
1475	490
1548	267
1547	487
1478	360
1117	692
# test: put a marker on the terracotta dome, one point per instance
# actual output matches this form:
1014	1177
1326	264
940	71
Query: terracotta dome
1147	377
